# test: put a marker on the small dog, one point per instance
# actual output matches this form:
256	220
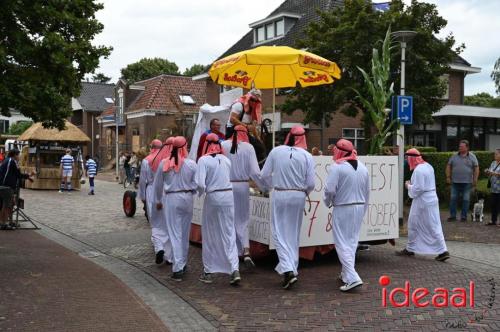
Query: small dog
477	214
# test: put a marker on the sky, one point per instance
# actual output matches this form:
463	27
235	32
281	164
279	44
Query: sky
198	31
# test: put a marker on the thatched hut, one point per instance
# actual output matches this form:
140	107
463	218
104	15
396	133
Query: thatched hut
44	151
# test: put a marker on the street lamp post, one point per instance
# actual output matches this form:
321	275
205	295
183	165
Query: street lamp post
403	37
118	115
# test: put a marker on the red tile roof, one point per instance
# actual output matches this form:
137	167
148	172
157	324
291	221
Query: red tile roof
162	93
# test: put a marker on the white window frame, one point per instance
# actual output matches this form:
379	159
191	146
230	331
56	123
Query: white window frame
357	138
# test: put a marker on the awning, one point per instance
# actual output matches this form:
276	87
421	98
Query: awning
470	111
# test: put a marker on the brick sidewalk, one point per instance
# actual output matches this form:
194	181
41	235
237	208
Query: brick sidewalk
45	287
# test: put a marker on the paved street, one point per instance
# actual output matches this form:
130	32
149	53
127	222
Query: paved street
98	223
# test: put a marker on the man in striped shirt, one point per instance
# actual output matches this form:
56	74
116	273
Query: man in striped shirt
91	172
66	167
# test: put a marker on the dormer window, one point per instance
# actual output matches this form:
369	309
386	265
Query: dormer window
273	27
187	99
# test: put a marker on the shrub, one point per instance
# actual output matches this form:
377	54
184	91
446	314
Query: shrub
422	149
439	160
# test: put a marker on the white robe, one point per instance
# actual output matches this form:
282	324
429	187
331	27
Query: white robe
425	234
292	169
175	190
244	166
219	252
159	236
348	190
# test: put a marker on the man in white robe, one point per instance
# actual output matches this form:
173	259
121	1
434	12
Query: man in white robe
175	185
289	171
159	236
219	251
425	234
244	166
347	189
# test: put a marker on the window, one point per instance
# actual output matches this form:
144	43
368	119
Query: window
261	36
355	135
270	31
4	126
446	79
280	28
187	99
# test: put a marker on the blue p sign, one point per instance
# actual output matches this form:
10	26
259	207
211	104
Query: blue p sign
405	110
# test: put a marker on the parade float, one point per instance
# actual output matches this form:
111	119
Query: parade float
381	223
272	67
43	152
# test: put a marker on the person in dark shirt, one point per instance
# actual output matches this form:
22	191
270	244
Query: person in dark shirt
214	128
10	176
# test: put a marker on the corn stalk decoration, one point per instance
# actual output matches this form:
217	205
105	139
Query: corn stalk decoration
379	93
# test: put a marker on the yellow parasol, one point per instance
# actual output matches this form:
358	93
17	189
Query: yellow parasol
271	67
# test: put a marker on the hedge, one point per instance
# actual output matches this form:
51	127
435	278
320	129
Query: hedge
439	160
422	149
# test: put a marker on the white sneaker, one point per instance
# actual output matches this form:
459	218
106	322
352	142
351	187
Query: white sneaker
60	191
350	286
248	262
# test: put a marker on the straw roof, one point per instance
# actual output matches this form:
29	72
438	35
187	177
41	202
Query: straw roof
38	133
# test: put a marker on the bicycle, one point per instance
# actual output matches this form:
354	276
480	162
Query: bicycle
131	179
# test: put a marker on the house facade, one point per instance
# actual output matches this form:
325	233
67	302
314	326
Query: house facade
7	121
158	107
284	26
93	100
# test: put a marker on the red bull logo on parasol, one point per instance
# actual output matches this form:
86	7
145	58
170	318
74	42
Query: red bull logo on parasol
312	77
316	61
240	77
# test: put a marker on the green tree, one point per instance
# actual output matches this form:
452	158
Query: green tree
379	92
483	99
196	69
147	68
495	75
346	35
45	51
100	78
19	127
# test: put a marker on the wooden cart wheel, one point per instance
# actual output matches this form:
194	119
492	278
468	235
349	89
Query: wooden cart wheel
129	204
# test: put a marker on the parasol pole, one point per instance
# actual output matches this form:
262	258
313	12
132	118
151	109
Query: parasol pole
274	109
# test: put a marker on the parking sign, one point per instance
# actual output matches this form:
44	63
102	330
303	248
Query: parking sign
403	107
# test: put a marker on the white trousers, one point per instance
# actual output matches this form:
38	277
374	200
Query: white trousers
347	221
219	251
287	215
159	236
178	211
241	195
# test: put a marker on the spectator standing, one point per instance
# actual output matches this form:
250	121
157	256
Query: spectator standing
10	174
121	164
91	170
126	164
134	164
494	184
66	167
215	129
462	173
